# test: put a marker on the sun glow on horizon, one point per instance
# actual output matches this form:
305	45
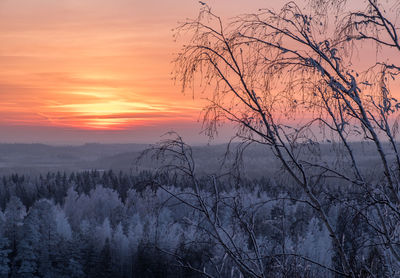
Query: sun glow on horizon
95	64
100	108
81	67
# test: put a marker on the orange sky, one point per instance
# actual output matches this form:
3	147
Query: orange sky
95	67
73	71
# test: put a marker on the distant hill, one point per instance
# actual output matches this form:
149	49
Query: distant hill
258	160
40	158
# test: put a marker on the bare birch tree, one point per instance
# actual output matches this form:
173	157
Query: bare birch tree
290	80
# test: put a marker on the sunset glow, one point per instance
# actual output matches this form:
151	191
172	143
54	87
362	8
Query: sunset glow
94	65
88	65
84	66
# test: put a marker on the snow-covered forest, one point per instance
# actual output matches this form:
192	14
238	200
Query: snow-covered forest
105	224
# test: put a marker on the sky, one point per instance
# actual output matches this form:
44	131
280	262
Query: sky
74	71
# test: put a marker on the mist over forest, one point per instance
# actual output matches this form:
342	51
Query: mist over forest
258	161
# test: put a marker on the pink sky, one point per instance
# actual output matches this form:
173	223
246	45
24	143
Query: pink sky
75	71
95	70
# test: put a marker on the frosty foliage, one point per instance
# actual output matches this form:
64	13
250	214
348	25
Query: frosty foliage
99	234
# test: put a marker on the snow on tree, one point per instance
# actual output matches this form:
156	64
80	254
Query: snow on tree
14	215
26	265
75	269
4	260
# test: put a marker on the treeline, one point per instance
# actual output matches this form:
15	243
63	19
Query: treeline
88	224
102	224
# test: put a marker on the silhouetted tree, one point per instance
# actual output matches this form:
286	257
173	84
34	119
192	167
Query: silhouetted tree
284	76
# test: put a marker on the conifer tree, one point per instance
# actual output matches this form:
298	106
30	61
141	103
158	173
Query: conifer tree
4	260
